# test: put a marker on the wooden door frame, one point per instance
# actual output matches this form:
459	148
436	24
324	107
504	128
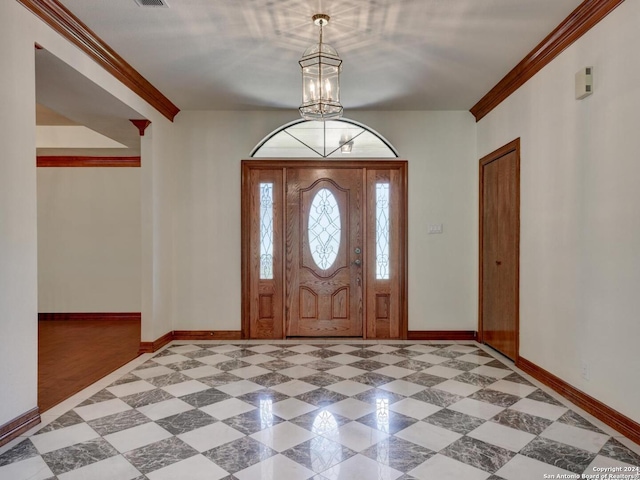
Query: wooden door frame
247	166
513	146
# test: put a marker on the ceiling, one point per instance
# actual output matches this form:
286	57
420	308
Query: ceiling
398	54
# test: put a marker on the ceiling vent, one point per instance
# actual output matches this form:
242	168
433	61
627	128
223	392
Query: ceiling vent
152	3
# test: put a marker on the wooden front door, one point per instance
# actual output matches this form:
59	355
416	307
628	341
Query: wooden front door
324	250
499	249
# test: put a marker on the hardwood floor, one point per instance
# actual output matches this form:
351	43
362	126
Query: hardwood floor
72	354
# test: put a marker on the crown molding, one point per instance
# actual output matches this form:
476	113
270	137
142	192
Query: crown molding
58	17
579	22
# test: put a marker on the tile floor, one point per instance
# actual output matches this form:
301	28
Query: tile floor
323	410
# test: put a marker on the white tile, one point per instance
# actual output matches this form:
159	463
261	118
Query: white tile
395	372
214	359
387	358
444	468
512	388
351	408
430	436
227	408
472	358
356	436
194	468
444	372
475	408
292	408
414	408
239	388
277	467
303	349
211	436
102	409
33	468
492	372
250	372
403	387
301	359
298	371
169	359
152	372
539	409
525	468
130	388
164	409
185	388
382	348
344	359
349	387
184	348
606	462
136	437
223	348
201	372
346	371
343	348
113	468
63	437
361	467
462	348
263	349
283	436
256	359
429	358
501	436
457	388
576	437
294	388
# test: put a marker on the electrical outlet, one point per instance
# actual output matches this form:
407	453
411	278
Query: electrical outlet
584	370
434	228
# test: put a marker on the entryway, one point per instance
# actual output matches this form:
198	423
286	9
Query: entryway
324	248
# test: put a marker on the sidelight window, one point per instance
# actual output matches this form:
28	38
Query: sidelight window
266	231
382	231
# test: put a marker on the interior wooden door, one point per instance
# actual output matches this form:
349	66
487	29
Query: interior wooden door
500	239
324	250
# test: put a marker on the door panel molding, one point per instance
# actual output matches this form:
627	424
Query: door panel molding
511	147
260	297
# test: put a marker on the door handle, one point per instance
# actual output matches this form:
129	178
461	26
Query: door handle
498	262
357	262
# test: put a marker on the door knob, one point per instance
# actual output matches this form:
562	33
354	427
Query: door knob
357	262
357	250
498	262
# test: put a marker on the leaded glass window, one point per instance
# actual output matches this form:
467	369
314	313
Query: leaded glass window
324	228
382	231
266	231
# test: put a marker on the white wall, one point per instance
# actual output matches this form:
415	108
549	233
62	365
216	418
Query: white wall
580	226
89	240
440	148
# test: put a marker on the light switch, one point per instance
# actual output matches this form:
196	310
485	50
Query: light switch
434	228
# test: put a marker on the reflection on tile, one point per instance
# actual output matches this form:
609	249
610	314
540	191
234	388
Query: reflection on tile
321	422
374	395
255	420
385	420
283	436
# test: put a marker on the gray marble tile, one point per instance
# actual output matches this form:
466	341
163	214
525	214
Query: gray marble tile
323	353
495	477
259	397
372	379
454	421
572	418
277	365
320	421
78	455
270	379
319	454
187	365
146	398
437	397
165	353
231	365
197	354
101	396
386	421
515	378
147	364
475	379
558	454
219	379
321	397
68	419
21	451
403	352
205	397
398	453
169	379
478	454
161	454
522	421
412	364
322	379
494	397
368	365
497	364
616	450
186	421
323	365
541	396
253	421
447	353
362	353
118	421
242	353
406	476
374	396
425	379
459	365
240	454
284	353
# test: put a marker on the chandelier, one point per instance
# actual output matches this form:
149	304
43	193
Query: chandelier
321	66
